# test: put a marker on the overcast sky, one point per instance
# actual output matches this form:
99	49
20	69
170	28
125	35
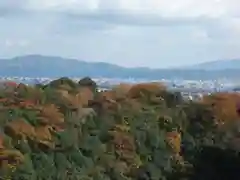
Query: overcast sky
153	33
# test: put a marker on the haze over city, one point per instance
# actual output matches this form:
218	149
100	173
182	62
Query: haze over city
152	33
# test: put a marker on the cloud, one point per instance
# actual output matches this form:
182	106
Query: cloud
134	12
12	7
132	32
186	8
16	43
137	19
165	8
104	14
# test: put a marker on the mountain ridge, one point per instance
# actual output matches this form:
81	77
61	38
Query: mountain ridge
35	65
217	64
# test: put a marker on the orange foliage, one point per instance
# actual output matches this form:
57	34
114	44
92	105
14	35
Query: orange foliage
123	87
1	142
121	90
224	106
20	129
154	88
132	104
44	136
33	94
51	115
125	146
9	156
107	100
174	140
106	95
122	140
78	100
84	96
27	104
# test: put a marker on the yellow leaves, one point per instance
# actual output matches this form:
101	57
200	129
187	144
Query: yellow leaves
123	128
12	167
12	156
137	162
9	160
9	169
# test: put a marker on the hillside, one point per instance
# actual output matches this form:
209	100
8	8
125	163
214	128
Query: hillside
68	131
47	66
217	65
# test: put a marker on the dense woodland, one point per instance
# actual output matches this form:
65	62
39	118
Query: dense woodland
70	131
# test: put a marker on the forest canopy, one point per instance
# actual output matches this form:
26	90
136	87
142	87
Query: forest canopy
67	130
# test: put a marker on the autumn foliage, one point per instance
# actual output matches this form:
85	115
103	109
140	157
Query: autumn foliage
67	130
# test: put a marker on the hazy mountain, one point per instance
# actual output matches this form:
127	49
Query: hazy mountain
49	66
217	65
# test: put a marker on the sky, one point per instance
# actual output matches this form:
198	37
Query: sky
131	33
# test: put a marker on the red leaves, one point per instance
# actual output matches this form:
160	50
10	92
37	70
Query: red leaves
238	108
2	100
124	145
11	84
27	104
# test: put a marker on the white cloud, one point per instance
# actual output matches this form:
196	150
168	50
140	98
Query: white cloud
16	43
62	4
9	43
226	11
186	8
200	35
136	32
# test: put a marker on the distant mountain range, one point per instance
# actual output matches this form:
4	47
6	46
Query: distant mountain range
50	66
217	65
